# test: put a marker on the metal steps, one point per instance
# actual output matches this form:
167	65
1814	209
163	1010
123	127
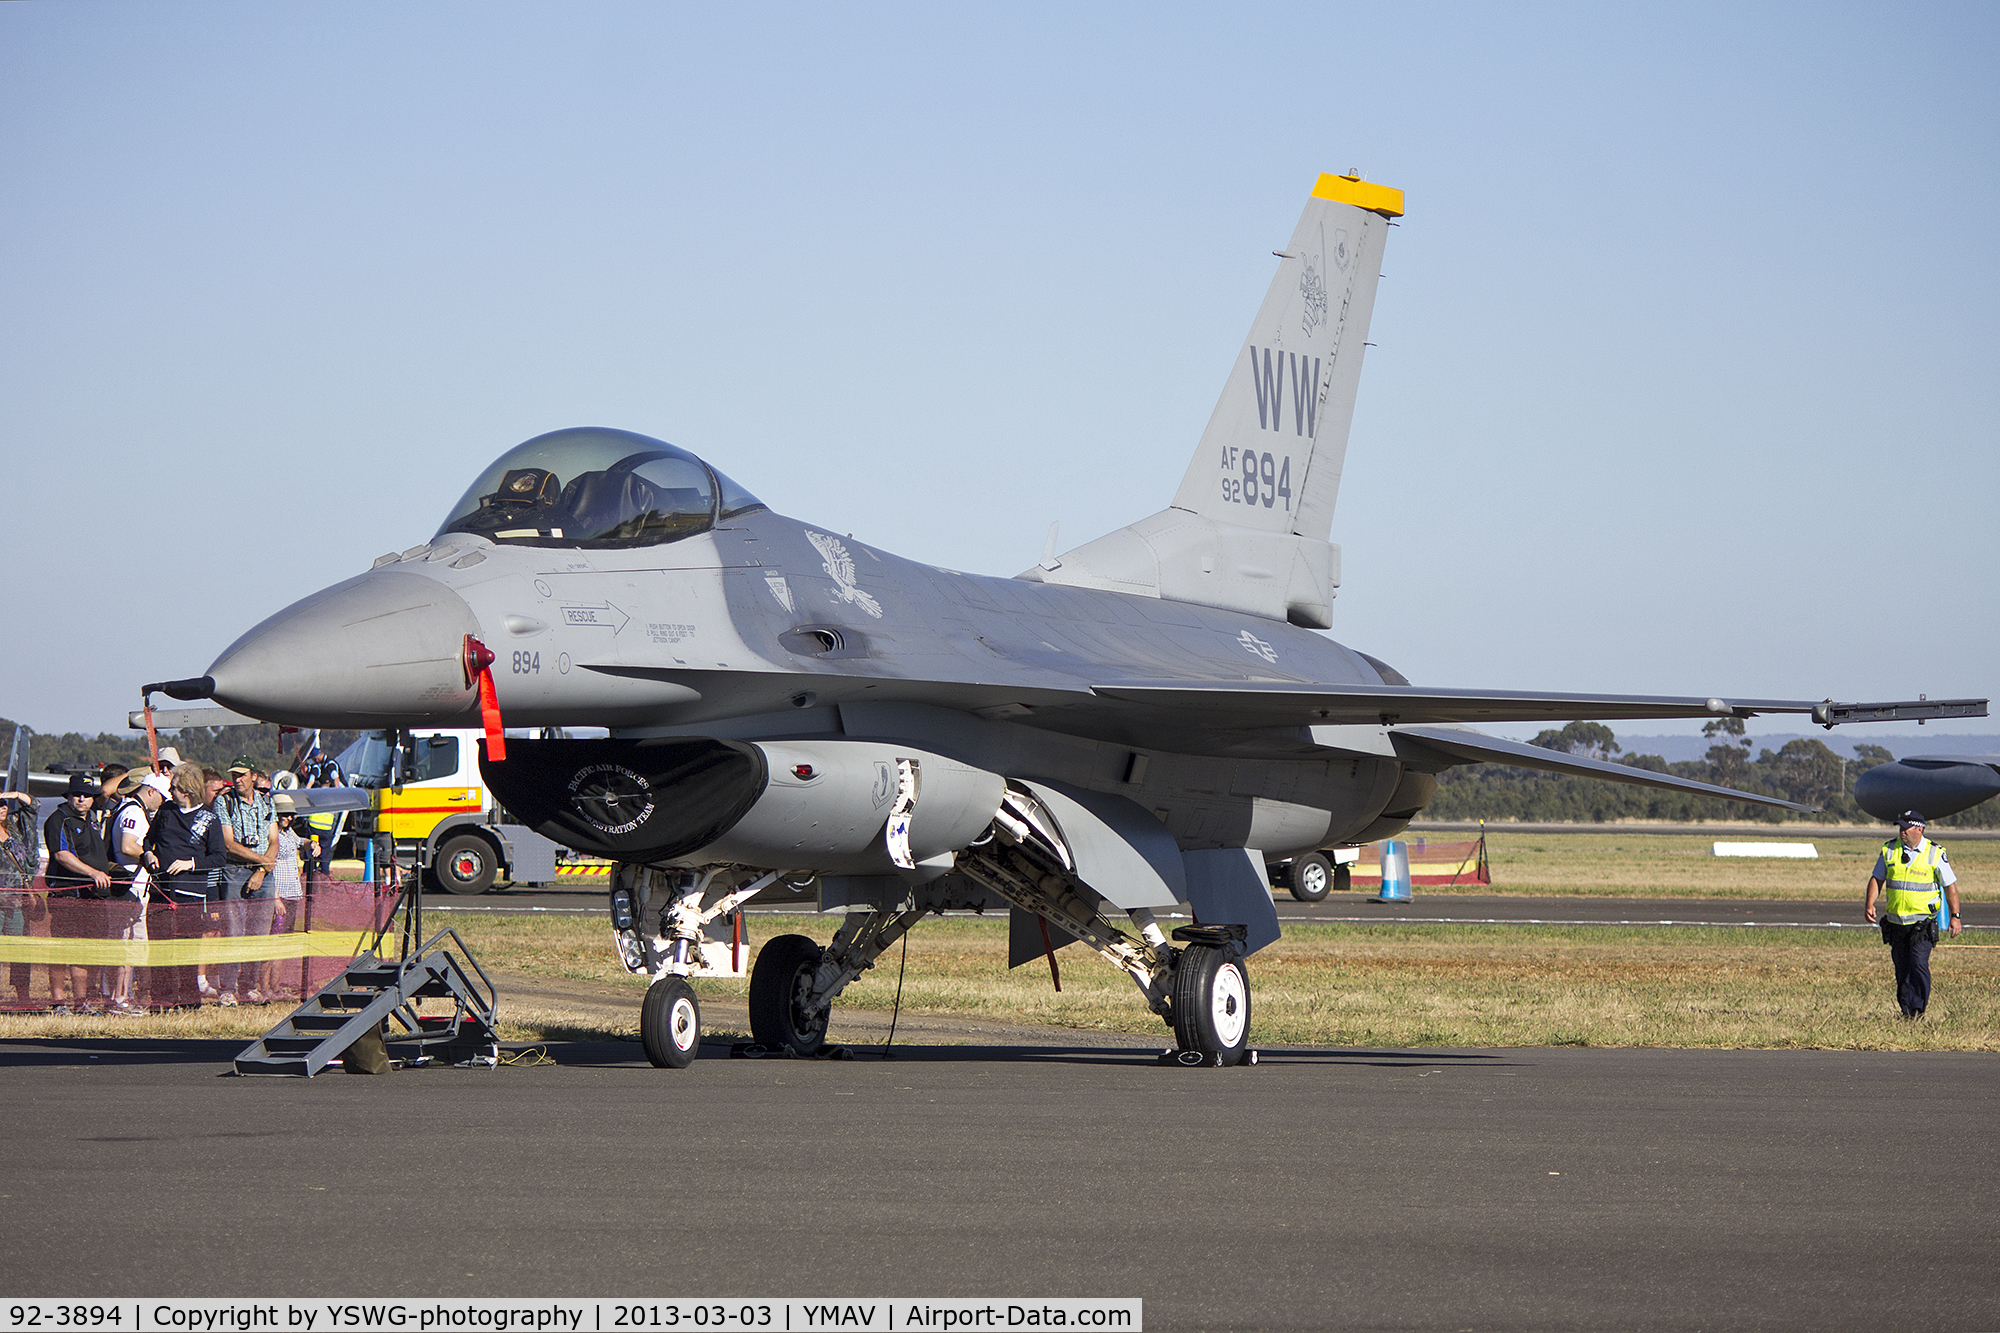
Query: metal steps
382	993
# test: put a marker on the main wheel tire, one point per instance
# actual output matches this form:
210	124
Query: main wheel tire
670	1024
779	985
1310	878
1212	1004
1343	877
466	863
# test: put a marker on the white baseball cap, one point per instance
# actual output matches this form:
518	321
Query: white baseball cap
158	784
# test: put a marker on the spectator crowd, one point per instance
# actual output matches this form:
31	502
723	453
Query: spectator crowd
175	850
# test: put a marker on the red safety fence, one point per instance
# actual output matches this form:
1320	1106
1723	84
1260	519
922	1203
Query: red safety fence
1436	864
119	956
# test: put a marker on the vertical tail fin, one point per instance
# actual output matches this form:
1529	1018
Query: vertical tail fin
1272	454
1248	528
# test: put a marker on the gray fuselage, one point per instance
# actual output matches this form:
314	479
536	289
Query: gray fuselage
768	628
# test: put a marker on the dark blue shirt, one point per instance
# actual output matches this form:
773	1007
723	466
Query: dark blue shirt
72	830
182	835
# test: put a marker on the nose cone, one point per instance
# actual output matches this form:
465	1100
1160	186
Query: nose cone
381	650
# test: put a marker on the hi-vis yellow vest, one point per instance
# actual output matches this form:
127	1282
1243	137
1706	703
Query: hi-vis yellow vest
1911	893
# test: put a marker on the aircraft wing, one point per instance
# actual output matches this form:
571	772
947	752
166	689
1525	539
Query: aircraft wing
1463	746
1279	703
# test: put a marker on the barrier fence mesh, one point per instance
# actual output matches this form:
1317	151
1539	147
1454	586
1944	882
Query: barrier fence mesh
101	954
1437	864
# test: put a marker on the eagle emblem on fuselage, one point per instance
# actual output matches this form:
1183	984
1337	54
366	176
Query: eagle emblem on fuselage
840	568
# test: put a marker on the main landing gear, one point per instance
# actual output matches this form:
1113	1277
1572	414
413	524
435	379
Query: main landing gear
795	982
1196	983
783	1016
1211	1009
1200	989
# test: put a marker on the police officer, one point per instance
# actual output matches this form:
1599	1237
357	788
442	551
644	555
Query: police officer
1908	876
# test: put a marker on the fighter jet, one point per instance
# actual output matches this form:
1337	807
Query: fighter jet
1131	728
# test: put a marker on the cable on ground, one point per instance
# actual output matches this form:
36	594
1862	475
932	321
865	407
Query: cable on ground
896	1010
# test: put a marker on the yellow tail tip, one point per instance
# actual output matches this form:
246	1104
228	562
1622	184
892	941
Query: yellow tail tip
1382	199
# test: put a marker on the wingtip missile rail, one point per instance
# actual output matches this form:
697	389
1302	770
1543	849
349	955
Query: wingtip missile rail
1919	710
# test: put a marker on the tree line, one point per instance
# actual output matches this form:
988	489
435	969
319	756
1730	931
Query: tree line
210	747
1806	771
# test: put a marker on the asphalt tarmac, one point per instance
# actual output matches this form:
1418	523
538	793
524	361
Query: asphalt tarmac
1509	1189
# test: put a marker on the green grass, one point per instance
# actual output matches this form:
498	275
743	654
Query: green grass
1388	985
1414	985
1645	865
1392	985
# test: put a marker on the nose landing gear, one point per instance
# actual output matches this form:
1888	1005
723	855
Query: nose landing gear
670	1024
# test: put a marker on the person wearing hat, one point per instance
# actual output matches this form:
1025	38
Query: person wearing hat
288	846
138	799
248	821
1908	876
78	869
188	854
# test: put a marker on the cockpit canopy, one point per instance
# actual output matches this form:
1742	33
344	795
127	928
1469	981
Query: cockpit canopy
596	488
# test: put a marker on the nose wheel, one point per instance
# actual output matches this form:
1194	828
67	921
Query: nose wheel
670	1024
1212	1005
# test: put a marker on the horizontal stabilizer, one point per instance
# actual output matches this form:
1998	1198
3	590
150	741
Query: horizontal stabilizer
1470	747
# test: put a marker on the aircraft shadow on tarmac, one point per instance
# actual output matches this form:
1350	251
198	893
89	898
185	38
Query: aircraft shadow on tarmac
52	1052
1140	1055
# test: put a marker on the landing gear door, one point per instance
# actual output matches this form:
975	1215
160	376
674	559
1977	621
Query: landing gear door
1228	886
1124	854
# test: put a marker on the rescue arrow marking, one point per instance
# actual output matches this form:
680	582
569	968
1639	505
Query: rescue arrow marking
603	614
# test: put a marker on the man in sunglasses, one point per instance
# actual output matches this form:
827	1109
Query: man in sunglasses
1909	875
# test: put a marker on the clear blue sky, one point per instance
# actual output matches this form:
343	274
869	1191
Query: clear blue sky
1686	367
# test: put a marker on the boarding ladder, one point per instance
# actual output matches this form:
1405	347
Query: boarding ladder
378	993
